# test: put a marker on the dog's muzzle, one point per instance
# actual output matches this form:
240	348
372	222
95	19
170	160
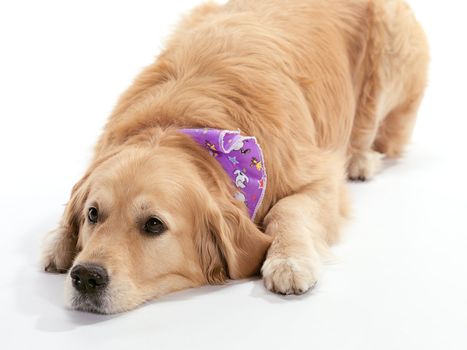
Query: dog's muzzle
90	284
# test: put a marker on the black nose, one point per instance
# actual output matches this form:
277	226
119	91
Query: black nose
89	278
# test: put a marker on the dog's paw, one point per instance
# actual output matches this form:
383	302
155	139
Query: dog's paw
53	252
48	264
363	166
51	267
288	275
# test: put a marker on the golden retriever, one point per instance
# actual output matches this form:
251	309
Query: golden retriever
327	88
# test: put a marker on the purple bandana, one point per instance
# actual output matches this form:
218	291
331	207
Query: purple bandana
242	159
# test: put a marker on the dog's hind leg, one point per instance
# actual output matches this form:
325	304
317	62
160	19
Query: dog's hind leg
396	129
363	161
396	66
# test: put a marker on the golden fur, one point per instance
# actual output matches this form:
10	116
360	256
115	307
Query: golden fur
326	86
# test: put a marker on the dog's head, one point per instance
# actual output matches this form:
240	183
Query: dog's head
148	220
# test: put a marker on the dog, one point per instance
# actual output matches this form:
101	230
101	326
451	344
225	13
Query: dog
327	88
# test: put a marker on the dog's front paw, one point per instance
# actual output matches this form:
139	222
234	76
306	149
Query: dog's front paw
50	267
288	275
363	166
54	255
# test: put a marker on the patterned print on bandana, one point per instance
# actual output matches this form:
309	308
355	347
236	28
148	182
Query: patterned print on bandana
242	159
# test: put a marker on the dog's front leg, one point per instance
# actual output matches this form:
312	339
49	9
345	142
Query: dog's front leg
302	225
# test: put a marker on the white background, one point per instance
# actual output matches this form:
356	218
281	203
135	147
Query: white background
399	280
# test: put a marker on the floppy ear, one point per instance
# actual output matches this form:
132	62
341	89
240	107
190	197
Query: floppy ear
60	246
231	245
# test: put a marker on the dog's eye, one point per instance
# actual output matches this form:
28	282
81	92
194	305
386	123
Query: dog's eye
93	215
154	226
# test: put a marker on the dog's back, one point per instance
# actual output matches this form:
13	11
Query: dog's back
323	51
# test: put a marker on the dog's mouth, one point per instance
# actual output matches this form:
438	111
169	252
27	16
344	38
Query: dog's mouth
98	303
